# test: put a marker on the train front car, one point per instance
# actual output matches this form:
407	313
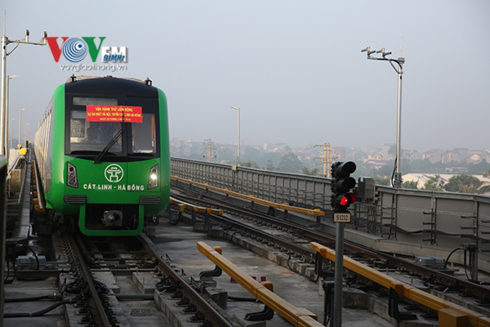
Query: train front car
113	169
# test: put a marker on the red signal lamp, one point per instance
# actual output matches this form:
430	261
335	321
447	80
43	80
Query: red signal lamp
346	199
351	197
341	185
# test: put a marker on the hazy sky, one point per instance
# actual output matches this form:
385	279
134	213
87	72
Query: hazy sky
295	68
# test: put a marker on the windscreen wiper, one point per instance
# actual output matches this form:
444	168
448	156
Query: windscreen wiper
108	146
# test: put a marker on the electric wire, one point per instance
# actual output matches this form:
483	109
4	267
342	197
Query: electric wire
450	254
44	311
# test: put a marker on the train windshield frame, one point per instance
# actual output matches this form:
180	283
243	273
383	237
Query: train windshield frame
87	136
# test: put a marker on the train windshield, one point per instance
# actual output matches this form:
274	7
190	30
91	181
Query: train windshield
112	128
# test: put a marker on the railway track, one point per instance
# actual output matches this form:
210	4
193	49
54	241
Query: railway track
94	272
95	262
293	239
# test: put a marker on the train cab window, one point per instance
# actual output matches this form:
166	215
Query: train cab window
134	137
144	135
90	136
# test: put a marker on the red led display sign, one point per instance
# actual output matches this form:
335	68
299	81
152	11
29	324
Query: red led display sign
114	114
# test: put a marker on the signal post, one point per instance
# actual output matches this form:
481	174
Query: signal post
342	197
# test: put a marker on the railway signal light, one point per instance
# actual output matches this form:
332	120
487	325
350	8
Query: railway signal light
342	183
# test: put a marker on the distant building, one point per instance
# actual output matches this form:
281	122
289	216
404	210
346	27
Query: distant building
305	155
388	151
451	156
475	158
463	153
376	164
377	156
434	155
411	155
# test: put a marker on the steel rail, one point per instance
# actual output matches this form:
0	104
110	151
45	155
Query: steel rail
231	222
402	264
188	290
301	250
210	313
99	308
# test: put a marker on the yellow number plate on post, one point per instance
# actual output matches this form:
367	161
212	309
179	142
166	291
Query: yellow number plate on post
341	217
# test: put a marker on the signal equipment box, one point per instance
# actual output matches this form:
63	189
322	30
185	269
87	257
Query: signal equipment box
365	187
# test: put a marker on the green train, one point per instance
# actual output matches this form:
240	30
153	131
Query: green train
102	156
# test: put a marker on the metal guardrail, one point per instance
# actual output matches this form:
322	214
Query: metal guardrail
37	190
272	186
16	179
252	198
452	314
184	206
426	218
14	161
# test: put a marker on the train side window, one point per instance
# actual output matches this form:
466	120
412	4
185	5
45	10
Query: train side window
144	135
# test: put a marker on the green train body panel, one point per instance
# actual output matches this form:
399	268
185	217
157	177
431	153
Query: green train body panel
96	184
105	186
54	191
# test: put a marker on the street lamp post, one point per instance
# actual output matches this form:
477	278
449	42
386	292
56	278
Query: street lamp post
20	126
11	134
7	111
399	70
238	154
3	103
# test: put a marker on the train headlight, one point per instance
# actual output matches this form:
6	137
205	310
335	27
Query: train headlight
72	178
153	177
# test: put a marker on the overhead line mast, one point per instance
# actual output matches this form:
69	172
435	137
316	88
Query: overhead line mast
397	182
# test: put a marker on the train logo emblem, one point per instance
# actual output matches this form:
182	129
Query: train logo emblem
113	173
